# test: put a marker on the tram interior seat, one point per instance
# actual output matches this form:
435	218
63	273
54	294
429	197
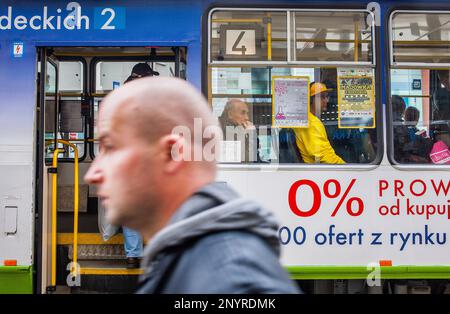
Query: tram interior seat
289	152
440	130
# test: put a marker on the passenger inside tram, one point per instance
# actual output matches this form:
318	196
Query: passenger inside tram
235	113
332	144
419	143
313	142
440	122
411	117
236	126
411	145
353	145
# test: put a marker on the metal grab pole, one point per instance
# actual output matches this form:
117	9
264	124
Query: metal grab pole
269	37
74	269
54	191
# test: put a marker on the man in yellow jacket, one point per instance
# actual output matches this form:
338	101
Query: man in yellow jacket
313	142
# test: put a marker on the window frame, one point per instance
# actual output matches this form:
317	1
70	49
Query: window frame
375	64
391	41
289	60
92	82
390	65
84	93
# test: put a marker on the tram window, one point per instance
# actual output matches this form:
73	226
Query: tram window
264	65
248	35
332	36
50	105
71	122
111	74
420	104
50	80
420	88
420	37
71	127
242	97
71	76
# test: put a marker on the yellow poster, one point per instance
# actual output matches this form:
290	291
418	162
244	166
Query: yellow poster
356	102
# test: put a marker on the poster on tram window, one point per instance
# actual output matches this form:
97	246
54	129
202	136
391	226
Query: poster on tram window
290	101
356	98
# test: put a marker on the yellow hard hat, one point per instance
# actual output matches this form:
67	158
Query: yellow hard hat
317	88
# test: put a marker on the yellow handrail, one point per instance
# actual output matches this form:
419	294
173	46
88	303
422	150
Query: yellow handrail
54	191
237	20
269	38
73	270
355	52
47	141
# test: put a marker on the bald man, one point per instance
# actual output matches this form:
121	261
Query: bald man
202	237
235	113
236	126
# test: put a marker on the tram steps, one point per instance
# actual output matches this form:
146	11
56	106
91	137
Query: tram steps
97	258
88	238
98	252
107	267
91	246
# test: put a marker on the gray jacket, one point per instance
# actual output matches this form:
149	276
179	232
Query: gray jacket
216	242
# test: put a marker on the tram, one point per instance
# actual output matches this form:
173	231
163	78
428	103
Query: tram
381	214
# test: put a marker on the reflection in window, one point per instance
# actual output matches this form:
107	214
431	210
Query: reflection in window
242	100
420	104
71	119
71	76
71	126
325	36
332	36
248	35
421	37
112	74
50	79
266	112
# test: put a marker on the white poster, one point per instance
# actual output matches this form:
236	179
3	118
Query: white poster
290	101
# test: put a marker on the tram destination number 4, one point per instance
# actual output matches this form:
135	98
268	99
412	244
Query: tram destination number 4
240	42
225	304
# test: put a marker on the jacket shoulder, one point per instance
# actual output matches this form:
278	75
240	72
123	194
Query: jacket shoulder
229	262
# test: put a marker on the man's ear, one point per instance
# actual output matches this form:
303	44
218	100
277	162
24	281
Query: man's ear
175	150
229	113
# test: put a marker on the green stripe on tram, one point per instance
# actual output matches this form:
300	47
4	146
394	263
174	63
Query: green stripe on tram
363	272
16	279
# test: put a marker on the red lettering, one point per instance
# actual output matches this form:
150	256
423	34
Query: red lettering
292	198
398	186
424	187
326	188
382	185
437	189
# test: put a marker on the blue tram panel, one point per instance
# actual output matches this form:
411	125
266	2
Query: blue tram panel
72	17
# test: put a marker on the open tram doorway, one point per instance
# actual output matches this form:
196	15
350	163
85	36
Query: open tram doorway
72	81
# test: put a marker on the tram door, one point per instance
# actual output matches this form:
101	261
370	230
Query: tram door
47	121
75	250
